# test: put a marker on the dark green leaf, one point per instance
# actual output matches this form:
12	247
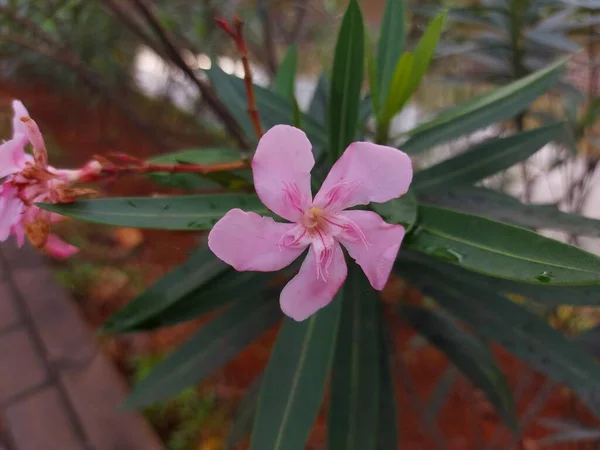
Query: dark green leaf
346	81
354	398
244	416
401	210
545	294
391	45
495	106
469	355
212	346
484	159
501	250
202	267
285	82
190	212
505	208
294	381
523	333
219	291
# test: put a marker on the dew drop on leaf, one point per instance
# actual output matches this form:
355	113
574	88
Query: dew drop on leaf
545	277
448	254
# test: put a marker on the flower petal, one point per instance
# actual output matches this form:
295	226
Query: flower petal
58	248
365	173
12	156
11	209
248	241
376	248
19	112
306	293
281	168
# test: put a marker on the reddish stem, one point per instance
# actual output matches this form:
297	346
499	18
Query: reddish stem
236	33
173	168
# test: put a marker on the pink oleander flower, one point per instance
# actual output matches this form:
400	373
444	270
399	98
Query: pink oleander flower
29	179
281	166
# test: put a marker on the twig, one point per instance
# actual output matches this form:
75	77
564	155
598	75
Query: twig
236	33
299	22
171	49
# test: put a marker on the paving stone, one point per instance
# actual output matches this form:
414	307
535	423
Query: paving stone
41	421
65	336
22	368
9	315
96	392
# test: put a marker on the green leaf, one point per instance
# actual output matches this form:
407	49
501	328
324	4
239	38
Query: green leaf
388	414
189	212
202	267
241	425
285	81
294	381
346	81
391	45
212	346
501	250
544	294
273	108
502	207
424	52
468	354
398	88
484	159
221	290
354	395
520	331
495	106
401	210
207	156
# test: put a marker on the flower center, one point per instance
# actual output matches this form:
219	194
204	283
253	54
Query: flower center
313	218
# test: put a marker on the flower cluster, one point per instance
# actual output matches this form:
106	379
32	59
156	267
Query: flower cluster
28	179
281	167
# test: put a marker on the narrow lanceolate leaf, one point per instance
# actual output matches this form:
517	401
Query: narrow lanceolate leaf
500	104
190	212
484	159
294	381
391	45
468	354
502	207
273	108
520	331
501	250
241	425
212	346
398	88
202	267
286	74
221	290
354	398
372	77
205	156
401	210
425	51
346	81
551	295
387	430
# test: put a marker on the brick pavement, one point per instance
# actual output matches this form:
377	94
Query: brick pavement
57	390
